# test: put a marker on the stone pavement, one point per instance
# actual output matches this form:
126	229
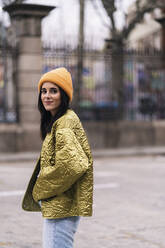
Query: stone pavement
129	202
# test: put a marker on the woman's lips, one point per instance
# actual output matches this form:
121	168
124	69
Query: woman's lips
48	103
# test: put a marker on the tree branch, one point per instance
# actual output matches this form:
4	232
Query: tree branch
99	14
140	12
110	8
7	2
137	3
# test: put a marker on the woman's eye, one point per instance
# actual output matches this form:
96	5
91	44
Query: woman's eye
43	91
53	91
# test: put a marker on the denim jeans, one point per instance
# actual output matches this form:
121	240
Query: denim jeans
59	233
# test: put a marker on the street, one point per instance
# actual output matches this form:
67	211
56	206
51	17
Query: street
129	205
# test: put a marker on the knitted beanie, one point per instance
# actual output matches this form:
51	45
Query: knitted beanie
60	77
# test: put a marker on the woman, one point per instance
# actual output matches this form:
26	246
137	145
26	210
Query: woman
61	186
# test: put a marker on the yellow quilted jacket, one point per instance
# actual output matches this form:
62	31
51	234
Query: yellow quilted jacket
63	175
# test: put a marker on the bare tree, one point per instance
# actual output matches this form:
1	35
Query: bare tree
118	39
80	53
141	7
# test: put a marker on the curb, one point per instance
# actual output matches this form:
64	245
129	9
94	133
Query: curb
100	153
18	157
127	152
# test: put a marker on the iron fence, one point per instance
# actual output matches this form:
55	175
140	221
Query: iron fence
143	83
8	98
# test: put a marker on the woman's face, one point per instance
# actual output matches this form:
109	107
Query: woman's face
50	97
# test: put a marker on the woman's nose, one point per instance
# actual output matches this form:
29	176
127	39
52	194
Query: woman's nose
47	94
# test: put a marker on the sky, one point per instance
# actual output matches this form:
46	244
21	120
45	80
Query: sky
62	23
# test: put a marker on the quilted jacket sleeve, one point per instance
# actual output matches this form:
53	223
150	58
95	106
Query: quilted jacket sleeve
70	164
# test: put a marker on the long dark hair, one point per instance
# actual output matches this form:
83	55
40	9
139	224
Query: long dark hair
47	119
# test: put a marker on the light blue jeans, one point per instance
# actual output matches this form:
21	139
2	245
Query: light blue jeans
59	233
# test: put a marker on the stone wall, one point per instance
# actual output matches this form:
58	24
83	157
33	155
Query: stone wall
126	134
101	135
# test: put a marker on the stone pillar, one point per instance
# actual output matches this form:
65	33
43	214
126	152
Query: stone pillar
26	26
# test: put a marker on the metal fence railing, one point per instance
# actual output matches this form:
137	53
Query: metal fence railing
143	83
8	105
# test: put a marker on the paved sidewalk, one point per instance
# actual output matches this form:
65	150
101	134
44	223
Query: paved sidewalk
128	209
98	153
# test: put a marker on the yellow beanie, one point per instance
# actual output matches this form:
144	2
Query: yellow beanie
60	77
